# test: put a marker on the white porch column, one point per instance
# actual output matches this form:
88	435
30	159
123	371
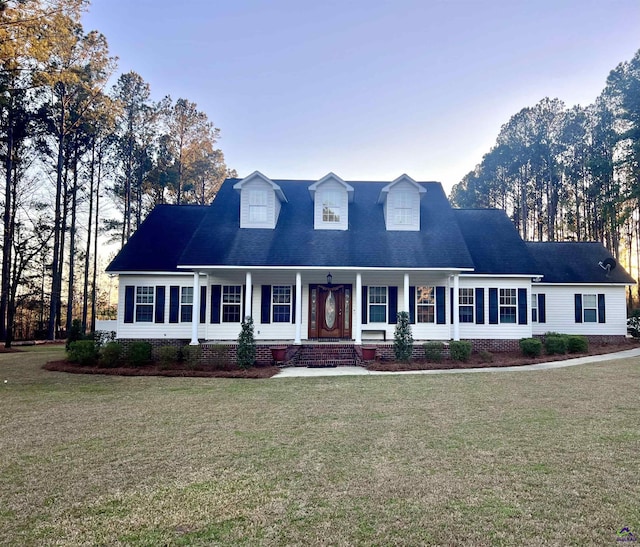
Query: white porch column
248	296
298	339
406	294
358	317
456	303
195	314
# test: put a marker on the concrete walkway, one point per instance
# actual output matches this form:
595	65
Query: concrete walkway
299	372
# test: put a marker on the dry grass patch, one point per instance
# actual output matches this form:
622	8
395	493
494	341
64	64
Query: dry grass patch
546	457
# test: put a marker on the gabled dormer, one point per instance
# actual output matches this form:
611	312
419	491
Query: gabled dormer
260	201
401	202
331	197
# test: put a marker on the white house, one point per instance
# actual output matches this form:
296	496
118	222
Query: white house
330	260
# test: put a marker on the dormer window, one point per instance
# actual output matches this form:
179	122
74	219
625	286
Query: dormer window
260	201
401	202
331	196
331	206
258	205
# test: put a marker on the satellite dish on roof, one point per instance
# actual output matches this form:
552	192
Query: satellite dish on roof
608	264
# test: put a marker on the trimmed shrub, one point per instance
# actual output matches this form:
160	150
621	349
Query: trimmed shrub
139	354
555	344
486	356
403	338
246	353
167	356
577	343
191	355
219	359
531	347
460	350
75	334
110	354
82	352
433	351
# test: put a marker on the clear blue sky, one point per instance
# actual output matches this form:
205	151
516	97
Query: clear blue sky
368	89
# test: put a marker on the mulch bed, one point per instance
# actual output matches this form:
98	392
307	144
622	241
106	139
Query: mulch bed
254	372
500	359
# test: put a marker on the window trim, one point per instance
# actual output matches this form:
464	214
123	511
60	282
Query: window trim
258	202
226	305
471	304
142	304
426	305
535	312
379	304
274	304
403	208
502	307
334	210
593	308
186	308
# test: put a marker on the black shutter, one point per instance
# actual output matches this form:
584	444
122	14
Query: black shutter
451	304
479	306
441	316
578	308
293	303
522	307
601	309
129	296
159	304
265	305
365	304
244	301
493	306
542	309
174	304
412	304
203	304
393	305
216	298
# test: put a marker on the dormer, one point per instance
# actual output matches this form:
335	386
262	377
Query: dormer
260	201
331	197
401	202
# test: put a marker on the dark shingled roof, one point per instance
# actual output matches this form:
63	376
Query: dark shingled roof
575	262
494	243
158	243
294	242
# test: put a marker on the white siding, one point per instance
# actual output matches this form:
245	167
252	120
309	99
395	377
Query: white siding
318	223
560	310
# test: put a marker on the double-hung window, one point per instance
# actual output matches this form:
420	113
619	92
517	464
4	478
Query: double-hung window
331	206
403	208
144	304
425	304
257	205
186	304
281	303
231	303
589	308
534	308
377	304
508	305
465	305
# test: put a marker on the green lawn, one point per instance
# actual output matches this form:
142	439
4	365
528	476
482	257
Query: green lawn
549	457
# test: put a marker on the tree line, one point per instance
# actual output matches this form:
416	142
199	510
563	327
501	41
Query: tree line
570	173
82	160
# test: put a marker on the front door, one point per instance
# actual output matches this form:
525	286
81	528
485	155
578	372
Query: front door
329	311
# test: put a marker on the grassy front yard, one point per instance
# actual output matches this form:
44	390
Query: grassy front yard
532	458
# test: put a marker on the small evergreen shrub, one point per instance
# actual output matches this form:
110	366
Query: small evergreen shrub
531	347
82	352
139	354
433	351
167	356
555	344
75	334
219	359
246	354
577	344
403	338
110	354
486	356
191	355
460	350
